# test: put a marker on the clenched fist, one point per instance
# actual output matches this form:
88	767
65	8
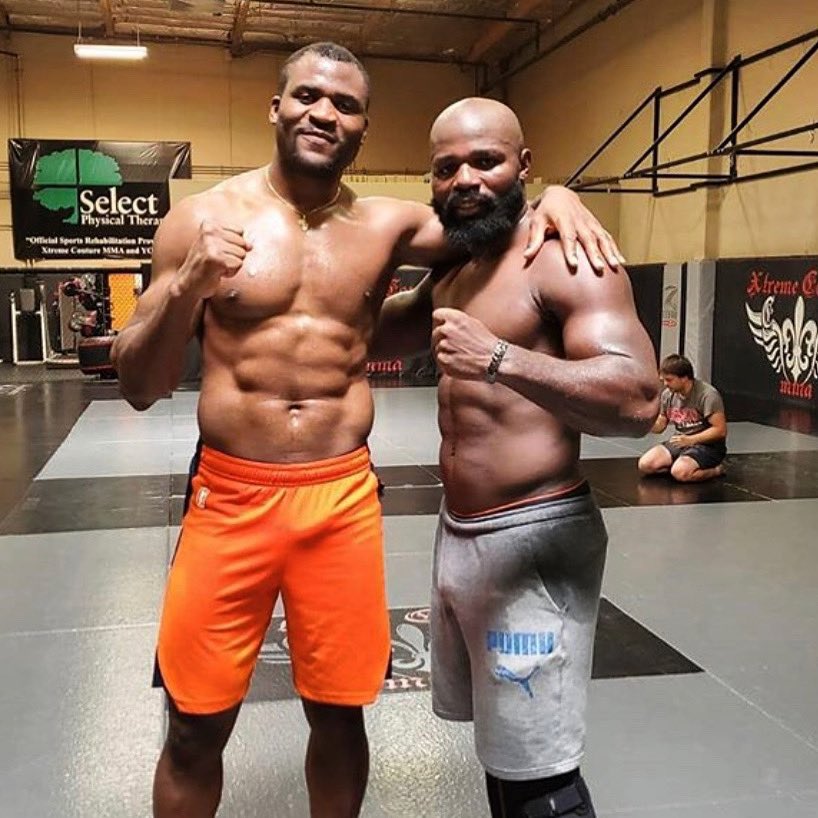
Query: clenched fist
218	252
462	345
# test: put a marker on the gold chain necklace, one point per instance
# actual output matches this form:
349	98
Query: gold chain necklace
302	215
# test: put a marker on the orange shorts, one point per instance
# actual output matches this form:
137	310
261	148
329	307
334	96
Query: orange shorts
310	531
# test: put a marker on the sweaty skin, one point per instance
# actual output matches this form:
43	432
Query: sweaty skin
579	360
288	315
285	340
502	444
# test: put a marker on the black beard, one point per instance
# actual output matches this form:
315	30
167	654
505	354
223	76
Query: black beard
496	219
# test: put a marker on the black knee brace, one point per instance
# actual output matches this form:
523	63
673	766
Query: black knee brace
571	800
564	796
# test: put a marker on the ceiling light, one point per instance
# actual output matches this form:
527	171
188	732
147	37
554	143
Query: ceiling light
102	51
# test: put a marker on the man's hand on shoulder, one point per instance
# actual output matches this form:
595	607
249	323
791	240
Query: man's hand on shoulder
556	279
560	211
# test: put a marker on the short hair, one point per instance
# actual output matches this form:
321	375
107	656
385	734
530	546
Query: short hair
332	51
677	365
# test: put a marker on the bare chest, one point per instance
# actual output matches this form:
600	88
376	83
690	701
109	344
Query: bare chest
501	298
336	271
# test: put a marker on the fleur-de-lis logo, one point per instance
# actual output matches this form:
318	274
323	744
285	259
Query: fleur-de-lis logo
791	347
410	649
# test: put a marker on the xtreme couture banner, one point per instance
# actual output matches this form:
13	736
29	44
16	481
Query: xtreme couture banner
90	200
765	333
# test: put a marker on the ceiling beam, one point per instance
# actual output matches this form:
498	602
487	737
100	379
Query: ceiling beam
307	5
239	25
371	21
497	32
107	17
218	37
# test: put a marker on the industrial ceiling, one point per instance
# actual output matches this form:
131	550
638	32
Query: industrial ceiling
485	33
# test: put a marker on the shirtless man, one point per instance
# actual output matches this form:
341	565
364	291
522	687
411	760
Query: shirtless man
284	270
529	358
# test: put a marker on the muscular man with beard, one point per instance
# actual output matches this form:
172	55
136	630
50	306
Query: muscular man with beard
531	356
284	271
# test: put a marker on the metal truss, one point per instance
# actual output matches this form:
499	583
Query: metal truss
730	147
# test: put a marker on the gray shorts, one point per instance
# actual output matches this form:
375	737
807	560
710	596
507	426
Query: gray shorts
515	598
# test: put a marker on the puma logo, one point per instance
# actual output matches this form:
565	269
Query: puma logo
503	673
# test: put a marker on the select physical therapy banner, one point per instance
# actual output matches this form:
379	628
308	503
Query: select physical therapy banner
90	200
765	329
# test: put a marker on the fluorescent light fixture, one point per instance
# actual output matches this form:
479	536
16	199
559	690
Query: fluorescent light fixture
102	51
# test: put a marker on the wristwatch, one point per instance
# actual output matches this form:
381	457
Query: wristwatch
497	355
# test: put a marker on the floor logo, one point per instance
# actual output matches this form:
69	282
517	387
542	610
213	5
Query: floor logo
411	659
60	176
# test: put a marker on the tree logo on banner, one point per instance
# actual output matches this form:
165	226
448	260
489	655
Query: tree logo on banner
60	175
791	346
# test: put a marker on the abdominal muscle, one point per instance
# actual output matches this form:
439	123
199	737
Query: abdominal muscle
286	390
498	448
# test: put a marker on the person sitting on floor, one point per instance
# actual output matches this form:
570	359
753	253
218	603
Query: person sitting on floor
697	451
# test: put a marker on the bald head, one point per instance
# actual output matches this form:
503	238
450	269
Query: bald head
477	118
479	167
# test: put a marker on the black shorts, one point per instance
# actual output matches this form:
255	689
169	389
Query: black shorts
707	455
